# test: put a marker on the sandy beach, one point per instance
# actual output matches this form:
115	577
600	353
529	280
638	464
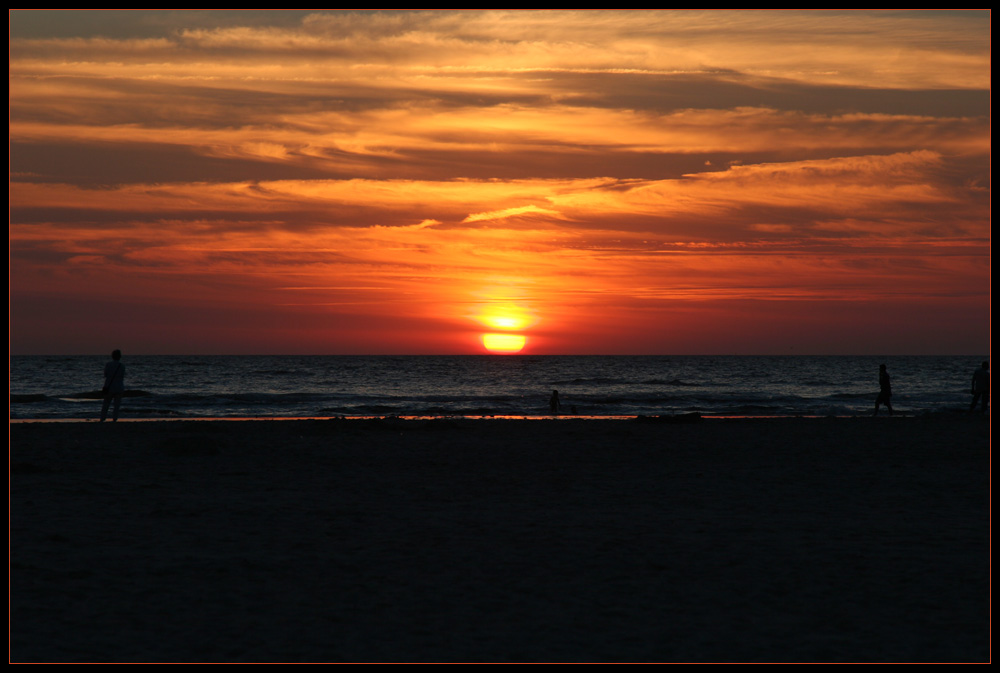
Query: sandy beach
461	540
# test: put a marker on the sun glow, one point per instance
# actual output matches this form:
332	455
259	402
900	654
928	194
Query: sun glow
506	317
504	343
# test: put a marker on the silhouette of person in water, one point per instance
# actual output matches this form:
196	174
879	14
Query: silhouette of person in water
981	387
554	404
885	390
114	385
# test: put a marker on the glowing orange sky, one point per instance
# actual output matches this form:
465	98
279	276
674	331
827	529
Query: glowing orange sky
405	182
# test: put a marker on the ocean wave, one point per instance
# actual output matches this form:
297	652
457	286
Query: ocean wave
86	395
27	399
672	382
600	381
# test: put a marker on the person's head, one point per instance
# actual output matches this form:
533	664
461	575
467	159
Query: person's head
116	354
882	367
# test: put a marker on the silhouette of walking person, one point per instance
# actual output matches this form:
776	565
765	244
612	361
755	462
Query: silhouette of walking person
114	385
981	387
554	404
885	390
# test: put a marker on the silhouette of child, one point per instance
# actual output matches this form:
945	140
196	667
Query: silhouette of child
554	404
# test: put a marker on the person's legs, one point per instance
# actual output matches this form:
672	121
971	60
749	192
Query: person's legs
104	407
118	404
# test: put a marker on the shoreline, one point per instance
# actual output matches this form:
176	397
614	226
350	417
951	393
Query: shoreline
466	540
680	417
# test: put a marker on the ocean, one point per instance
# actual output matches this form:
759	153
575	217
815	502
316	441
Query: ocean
324	386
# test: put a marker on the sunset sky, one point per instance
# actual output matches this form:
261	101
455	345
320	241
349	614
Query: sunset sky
368	182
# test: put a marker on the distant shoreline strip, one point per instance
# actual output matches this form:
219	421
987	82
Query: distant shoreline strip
679	418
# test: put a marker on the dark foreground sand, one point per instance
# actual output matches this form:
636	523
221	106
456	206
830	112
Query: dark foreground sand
805	540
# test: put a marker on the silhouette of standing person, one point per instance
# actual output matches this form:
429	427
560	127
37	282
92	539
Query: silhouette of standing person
114	385
885	390
554	403
981	387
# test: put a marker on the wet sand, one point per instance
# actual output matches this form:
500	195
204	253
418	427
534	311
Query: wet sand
458	540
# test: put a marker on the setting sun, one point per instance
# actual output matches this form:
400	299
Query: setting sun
504	343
